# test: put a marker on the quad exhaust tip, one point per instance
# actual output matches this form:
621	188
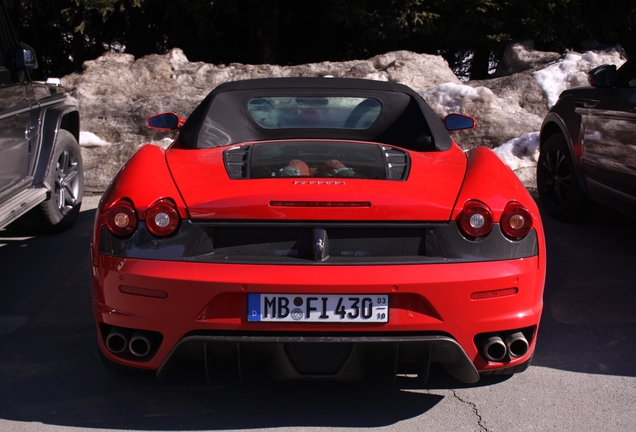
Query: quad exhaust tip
117	340
139	343
495	349
517	344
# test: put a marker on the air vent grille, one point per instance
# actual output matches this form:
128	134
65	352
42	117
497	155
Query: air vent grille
397	163
237	162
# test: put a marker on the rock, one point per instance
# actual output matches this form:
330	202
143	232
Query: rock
521	56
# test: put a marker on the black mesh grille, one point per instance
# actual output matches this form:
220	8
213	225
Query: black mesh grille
303	243
365	242
395	158
237	160
397	172
268	242
397	163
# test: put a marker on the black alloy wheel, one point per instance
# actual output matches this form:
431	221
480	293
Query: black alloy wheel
557	182
66	179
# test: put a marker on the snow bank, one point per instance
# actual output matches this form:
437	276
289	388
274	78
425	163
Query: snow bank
117	93
521	155
571	71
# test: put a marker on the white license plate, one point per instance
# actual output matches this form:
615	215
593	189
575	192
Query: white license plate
318	308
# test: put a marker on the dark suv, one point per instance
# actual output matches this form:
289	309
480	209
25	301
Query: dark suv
41	171
588	146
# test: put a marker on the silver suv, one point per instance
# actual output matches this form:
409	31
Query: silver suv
41	171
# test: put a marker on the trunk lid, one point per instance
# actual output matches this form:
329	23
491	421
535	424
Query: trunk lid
204	179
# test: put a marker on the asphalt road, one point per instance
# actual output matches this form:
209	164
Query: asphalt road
583	376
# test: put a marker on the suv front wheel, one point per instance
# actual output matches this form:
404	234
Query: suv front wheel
65	176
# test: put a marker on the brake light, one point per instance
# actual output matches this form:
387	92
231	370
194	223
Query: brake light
516	221
122	218
162	218
319	204
476	219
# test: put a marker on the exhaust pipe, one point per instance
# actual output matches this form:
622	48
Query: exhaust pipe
140	343
494	349
517	344
117	340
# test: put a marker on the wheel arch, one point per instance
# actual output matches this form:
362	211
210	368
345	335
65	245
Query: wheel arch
52	120
565	121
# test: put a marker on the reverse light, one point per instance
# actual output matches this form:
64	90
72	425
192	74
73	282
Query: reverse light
516	221
162	218
122	218
476	219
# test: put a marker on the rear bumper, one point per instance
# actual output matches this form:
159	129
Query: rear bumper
200	310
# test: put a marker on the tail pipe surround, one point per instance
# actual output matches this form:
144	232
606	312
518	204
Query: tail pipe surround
500	346
517	344
117	340
130	343
140	344
494	349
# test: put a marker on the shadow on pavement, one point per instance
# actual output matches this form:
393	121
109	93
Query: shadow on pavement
50	371
588	322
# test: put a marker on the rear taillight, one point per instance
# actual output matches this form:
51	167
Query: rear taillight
162	218
476	219
122	218
516	221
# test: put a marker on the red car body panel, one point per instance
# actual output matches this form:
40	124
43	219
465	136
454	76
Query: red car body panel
484	176
452	296
213	297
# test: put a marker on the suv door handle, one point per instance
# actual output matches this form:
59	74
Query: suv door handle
591	103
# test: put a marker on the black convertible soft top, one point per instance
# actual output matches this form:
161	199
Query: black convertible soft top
404	120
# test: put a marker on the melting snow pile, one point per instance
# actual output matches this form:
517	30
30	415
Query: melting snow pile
509	110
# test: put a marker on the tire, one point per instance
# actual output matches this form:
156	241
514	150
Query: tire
65	176
558	186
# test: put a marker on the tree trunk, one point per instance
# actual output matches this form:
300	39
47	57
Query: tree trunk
480	64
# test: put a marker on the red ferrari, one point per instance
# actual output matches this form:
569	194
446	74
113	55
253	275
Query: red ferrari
317	226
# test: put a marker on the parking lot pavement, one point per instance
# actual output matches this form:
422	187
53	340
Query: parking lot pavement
583	375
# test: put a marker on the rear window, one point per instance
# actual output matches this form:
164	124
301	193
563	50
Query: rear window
314	112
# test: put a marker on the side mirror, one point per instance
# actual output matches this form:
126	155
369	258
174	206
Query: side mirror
454	122
602	76
165	121
25	58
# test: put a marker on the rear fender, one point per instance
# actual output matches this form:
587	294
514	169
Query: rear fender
52	120
492	182
143	180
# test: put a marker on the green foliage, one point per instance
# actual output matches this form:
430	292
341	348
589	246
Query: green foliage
65	33
82	10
